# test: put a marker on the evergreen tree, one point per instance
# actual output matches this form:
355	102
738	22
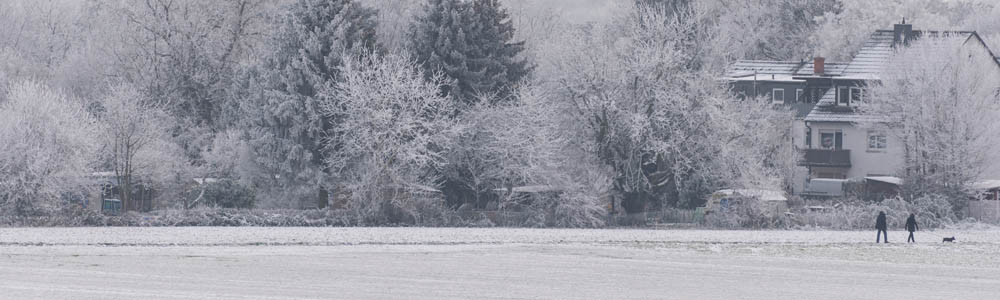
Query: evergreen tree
285	124
471	42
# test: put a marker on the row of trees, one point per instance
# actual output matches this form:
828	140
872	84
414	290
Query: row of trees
301	101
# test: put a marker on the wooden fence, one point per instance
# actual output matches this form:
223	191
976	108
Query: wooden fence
984	211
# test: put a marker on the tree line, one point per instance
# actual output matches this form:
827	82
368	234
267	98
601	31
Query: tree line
298	102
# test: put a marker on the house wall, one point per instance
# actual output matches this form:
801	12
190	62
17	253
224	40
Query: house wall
864	162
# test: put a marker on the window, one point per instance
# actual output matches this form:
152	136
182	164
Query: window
778	96
876	141
809	137
842	97
856	95
800	96
831	140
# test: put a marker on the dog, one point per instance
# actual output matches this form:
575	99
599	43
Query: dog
947	239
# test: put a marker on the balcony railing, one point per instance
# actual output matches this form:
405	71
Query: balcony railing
826	158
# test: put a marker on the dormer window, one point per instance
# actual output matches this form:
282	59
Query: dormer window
778	96
857	95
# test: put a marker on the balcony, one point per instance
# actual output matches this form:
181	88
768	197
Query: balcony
826	158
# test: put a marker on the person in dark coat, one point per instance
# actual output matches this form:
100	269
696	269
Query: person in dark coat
881	227
911	226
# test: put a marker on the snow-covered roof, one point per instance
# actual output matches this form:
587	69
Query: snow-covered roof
766	77
760	194
886	179
876	52
786	71
873	55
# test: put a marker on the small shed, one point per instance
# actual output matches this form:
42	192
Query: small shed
882	187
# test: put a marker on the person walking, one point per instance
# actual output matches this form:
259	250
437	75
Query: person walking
911	226
881	227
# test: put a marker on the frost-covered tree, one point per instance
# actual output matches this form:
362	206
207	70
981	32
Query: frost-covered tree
842	32
394	21
940	97
135	139
471	42
37	38
524	144
48	147
181	53
392	128
770	29
641	93
284	124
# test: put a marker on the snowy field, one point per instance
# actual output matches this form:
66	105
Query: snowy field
425	263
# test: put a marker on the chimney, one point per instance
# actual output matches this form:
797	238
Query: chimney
902	34
819	65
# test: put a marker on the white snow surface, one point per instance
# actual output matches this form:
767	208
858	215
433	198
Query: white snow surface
492	263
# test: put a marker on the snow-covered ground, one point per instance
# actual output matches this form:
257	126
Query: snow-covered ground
433	263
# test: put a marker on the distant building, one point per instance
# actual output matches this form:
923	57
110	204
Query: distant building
831	134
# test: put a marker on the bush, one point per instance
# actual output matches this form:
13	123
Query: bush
746	213
932	211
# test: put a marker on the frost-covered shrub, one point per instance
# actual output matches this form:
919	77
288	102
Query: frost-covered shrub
577	209
932	211
75	216
47	148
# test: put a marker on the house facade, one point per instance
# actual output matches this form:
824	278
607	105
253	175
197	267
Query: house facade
835	140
